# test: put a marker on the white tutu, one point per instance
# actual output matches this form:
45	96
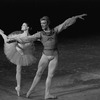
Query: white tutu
16	58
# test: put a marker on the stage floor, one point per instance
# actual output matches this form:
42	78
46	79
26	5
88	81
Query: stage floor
77	76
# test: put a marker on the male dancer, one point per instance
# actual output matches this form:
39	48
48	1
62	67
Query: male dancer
49	57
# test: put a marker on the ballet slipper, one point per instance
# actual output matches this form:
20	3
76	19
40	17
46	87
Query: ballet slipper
28	94
50	97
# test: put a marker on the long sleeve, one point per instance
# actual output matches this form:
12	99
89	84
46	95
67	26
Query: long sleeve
68	23
65	24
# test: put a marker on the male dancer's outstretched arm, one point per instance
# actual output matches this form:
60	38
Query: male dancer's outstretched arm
68	22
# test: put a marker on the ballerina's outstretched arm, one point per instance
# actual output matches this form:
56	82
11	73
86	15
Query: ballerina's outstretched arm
6	38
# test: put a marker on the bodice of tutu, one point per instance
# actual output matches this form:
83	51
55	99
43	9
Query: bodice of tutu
23	44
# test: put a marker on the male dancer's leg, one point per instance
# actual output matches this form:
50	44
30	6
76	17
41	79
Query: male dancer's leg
18	79
51	69
43	63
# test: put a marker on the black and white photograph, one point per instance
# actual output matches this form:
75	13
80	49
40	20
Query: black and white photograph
49	50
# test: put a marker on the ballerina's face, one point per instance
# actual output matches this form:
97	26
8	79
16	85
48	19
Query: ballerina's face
24	27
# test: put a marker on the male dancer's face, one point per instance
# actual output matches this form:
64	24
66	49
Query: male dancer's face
44	24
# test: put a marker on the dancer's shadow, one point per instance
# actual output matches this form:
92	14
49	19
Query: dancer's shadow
76	87
79	87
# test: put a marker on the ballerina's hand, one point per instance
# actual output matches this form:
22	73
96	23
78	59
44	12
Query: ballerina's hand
1	31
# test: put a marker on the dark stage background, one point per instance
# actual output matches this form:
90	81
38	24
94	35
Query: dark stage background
78	72
15	12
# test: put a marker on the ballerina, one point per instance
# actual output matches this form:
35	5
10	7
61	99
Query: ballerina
17	52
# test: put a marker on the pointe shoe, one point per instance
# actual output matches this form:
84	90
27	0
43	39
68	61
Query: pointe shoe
50	97
17	90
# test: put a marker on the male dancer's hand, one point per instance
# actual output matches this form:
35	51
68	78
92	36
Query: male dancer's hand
81	16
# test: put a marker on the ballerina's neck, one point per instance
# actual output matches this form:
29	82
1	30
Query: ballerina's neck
25	33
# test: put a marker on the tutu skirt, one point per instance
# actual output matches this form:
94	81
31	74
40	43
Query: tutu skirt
16	58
